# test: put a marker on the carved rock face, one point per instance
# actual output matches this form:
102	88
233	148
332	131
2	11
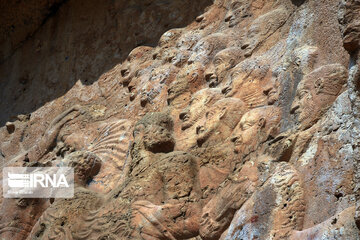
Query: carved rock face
316	92
85	164
155	131
137	56
255	127
252	82
207	47
350	25
197	106
285	213
237	10
242	122
220	120
221	64
188	79
263	27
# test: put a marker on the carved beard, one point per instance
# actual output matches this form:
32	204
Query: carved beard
221	76
309	114
244	149
254	98
192	119
204	136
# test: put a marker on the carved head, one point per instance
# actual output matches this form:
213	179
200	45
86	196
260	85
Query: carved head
154	131
198	104
220	120
86	165
188	79
316	92
305	58
184	45
252	81
263	27
130	66
221	64
166	55
157	79
237	11
169	38
255	127
208	46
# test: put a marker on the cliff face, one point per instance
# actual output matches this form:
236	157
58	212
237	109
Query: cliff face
228	119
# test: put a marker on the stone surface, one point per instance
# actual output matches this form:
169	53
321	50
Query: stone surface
225	119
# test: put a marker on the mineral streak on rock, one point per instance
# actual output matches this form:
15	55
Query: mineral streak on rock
224	119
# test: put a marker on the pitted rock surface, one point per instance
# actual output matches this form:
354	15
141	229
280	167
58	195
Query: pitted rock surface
224	119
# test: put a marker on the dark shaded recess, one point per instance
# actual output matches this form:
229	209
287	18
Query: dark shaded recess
83	62
298	2
52	11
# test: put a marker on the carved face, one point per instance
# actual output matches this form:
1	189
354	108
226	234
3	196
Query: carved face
221	64
263	27
316	92
253	84
212	123
220	120
187	80
155	131
207	47
201	52
304	104
198	103
86	165
238	10
245	133
169	38
255	127
131	65
166	55
184	44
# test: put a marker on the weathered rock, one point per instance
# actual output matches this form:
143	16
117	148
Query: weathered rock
235	121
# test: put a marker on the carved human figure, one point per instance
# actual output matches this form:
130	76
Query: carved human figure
184	44
255	127
237	11
253	82
220	120
263	27
152	91
191	114
221	64
48	141
273	211
208	47
130	67
19	215
306	58
209	20
169	38
158	200
232	193
188	80
161	179
167	49
316	92
199	102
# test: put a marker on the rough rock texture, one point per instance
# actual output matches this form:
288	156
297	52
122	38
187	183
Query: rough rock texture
225	119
